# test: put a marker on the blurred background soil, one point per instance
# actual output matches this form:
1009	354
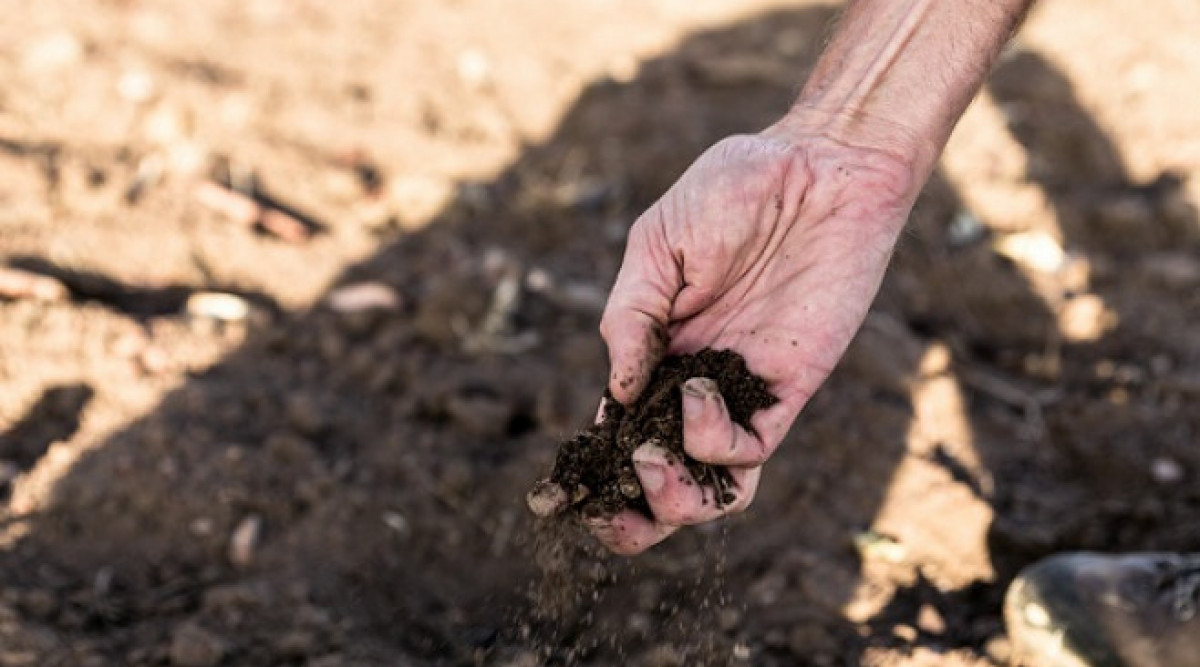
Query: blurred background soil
299	296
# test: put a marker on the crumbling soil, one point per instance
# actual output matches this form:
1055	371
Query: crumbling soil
594	469
324	464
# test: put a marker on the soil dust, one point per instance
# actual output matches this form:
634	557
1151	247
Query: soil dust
231	443
593	473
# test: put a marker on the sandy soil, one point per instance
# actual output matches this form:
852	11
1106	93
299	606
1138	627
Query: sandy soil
285	476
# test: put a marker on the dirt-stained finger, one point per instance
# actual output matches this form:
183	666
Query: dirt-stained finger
676	499
636	343
629	532
710	435
745	487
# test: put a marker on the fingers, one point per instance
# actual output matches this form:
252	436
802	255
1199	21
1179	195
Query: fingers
675	499
636	343
634	324
629	532
710	435
636	338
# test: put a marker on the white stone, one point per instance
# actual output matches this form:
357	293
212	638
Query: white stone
244	541
136	86
1166	471
1085	318
218	306
365	296
1037	251
474	68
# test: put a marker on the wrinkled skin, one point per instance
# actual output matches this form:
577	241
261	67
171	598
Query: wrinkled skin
772	245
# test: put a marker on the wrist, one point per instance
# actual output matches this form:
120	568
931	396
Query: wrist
913	151
883	146
895	77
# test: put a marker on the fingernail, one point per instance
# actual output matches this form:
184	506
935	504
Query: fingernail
650	460
697	392
653	477
700	387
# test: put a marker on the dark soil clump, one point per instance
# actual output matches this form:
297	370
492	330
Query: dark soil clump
593	472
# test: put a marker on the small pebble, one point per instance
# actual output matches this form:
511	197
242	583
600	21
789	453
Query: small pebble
396	522
1166	471
364	296
876	546
629	487
244	541
136	86
904	632
965	229
1085	318
201	527
930	620
218	306
1037	251
546	499
474	68
538	280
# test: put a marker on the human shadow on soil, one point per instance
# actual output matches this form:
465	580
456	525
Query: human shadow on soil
53	418
373	464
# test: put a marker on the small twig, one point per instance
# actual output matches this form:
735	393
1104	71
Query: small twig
1011	394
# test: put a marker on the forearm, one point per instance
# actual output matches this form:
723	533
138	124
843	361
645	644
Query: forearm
898	73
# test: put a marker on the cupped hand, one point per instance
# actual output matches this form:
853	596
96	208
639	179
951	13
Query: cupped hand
772	245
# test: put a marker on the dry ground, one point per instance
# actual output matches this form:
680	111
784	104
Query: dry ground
304	485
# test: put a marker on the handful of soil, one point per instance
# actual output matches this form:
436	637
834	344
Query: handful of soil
593	473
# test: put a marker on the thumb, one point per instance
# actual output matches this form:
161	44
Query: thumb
634	325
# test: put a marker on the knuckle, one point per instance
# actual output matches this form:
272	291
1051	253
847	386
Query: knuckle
755	451
608	322
606	328
675	513
709	437
756	457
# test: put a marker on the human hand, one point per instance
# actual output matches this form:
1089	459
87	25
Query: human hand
772	245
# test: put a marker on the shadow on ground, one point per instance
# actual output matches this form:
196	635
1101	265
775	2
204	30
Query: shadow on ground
374	464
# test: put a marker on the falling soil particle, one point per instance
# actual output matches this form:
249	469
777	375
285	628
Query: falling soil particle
593	473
